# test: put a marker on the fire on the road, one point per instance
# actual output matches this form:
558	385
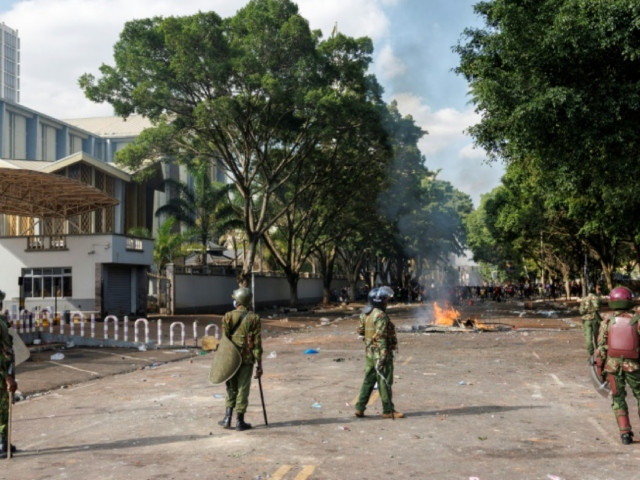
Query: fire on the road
450	317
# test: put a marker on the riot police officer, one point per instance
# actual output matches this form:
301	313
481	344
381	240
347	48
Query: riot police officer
7	380
243	328
618	355
379	335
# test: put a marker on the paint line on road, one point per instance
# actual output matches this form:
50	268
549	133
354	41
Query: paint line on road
114	354
74	368
306	472
281	472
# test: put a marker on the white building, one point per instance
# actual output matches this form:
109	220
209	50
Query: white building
9	64
87	262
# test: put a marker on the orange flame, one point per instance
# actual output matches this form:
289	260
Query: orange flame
444	316
481	325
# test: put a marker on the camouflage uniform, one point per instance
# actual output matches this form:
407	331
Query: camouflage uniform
380	342
6	364
620	372
248	339
589	307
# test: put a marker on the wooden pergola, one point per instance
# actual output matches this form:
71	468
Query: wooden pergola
31	193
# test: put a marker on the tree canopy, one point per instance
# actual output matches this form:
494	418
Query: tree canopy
557	85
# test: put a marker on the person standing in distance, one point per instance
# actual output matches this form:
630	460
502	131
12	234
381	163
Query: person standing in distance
7	380
244	329
589	309
618	355
379	335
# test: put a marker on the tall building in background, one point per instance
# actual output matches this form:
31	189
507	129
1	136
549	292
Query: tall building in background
9	64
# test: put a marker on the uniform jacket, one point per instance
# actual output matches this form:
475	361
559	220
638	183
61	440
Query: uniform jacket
248	336
6	346
589	305
379	334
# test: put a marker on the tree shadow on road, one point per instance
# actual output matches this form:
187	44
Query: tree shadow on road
115	445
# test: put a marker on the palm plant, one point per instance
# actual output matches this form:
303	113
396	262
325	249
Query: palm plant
204	209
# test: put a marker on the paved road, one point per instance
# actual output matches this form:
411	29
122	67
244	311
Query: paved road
513	404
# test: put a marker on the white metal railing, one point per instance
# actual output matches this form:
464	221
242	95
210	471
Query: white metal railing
45	321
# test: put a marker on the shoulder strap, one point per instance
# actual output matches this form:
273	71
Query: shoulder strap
233	329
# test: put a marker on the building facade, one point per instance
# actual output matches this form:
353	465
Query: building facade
9	64
88	262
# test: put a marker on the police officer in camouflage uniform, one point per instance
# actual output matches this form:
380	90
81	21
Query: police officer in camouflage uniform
589	309
7	380
244	329
618	356
379	335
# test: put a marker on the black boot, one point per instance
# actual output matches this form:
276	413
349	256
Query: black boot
241	424
226	421
3	448
627	438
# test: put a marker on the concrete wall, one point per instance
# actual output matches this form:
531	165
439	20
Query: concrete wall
212	293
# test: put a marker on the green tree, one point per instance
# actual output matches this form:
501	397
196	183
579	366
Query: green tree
253	93
557	85
168	245
204	208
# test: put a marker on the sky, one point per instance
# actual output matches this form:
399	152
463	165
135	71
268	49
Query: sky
413	60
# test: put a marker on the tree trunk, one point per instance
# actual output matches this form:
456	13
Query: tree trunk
327	264
244	277
607	271
293	278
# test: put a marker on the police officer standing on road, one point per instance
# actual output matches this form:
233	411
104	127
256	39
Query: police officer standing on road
244	329
589	309
618	355
7	380
379	335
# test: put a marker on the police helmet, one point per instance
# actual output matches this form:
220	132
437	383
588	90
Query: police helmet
242	296
379	296
620	298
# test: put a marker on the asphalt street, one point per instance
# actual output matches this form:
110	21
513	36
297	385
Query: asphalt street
513	402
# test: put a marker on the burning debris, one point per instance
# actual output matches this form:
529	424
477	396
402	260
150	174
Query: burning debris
448	319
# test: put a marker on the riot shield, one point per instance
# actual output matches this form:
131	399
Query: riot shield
595	374
20	350
226	362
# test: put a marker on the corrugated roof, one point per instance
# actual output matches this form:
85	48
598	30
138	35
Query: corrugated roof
37	194
112	127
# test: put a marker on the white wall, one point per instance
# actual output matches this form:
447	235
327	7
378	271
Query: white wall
197	293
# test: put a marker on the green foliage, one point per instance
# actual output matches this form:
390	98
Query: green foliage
205	209
557	83
257	93
168	245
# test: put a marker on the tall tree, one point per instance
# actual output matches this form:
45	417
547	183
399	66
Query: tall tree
252	93
557	83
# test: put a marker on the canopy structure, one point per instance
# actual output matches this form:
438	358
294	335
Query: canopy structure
32	193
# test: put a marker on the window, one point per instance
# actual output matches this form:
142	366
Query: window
47	282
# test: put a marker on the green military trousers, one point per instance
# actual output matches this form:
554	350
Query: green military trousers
590	329
384	388
618	399
238	388
4	407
